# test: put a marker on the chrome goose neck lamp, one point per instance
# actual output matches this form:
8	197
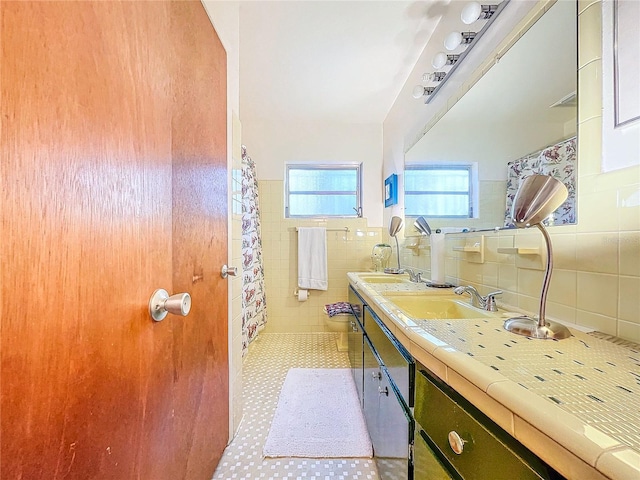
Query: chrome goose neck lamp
537	197
422	226
395	225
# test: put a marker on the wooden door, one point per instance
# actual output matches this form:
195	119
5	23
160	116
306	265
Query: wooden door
113	130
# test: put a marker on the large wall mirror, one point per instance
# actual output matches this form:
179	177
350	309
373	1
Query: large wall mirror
520	115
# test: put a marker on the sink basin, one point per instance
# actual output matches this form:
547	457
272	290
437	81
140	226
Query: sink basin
436	307
383	279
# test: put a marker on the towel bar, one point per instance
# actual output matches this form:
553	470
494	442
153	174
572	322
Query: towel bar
343	229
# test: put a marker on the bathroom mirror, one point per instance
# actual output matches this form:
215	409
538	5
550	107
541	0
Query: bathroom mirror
523	104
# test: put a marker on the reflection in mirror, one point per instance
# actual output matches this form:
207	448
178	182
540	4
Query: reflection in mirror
395	226
518	119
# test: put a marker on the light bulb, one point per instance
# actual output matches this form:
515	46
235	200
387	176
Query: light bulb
418	91
453	41
471	13
439	60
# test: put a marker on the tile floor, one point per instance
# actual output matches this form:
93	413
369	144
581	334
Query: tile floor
264	370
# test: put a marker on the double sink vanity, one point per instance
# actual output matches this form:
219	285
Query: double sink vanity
448	393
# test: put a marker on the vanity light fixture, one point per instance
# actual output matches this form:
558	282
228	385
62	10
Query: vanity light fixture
538	197
441	59
421	91
433	77
474	11
455	39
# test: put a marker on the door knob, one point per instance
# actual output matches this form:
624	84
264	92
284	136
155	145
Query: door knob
161	304
233	271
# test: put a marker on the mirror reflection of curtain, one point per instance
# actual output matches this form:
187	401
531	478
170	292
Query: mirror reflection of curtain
559	161
254	305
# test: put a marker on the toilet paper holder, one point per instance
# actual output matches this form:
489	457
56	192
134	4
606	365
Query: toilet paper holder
301	294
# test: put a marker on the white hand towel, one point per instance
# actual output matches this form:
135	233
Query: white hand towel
312	258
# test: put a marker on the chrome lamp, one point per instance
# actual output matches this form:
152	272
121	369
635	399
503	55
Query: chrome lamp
422	226
395	225
537	197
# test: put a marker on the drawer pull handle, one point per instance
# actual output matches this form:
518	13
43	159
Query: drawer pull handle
384	391
456	442
377	375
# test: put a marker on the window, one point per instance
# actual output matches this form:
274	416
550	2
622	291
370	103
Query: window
322	190
444	191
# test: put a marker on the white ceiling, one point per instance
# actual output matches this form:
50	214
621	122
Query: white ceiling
337	61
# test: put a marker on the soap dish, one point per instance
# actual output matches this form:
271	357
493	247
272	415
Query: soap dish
473	249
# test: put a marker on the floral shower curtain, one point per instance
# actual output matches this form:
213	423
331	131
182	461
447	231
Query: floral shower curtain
254	305
557	160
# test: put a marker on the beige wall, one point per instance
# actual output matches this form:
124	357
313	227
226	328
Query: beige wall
596	280
272	143
346	251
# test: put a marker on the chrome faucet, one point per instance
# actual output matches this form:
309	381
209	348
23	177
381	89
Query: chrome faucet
415	277
487	302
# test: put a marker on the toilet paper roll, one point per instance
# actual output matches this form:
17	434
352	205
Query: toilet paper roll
437	258
302	294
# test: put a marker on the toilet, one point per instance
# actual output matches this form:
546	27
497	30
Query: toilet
340	323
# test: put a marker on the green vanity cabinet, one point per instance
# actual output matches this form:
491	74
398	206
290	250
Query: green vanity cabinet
443	436
463	438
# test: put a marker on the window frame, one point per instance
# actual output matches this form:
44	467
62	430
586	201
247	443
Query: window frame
324	166
472	210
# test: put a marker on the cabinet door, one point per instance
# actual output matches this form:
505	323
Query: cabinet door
355	338
114	183
388	419
371	400
393	355
356	342
395	427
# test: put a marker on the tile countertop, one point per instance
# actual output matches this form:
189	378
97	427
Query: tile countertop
574	402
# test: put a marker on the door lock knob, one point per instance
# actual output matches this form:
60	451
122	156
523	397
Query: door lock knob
226	271
162	304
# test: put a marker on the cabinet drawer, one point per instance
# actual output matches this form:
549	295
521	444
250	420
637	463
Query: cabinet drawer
484	449
392	354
